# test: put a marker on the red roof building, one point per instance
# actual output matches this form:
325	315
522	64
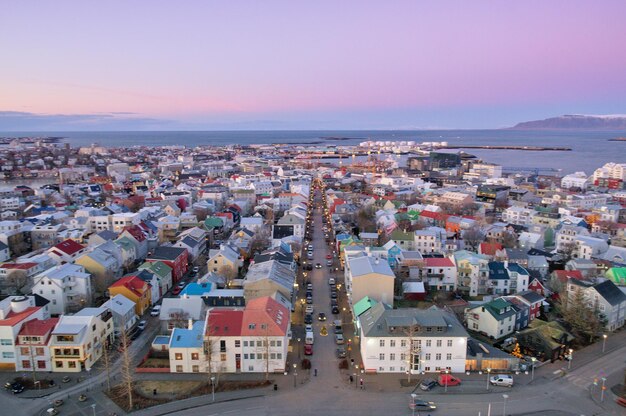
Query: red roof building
66	251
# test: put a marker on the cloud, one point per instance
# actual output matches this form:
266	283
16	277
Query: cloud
24	121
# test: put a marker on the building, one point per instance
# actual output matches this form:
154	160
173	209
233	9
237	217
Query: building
124	316
68	287
495	319
606	299
506	278
135	289
175	257
32	346
440	273
415	340
368	276
66	251
576	180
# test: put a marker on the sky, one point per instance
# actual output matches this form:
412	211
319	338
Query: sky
202	65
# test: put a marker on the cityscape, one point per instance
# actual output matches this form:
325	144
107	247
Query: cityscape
337	209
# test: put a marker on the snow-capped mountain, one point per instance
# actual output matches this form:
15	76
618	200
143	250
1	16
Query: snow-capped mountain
577	121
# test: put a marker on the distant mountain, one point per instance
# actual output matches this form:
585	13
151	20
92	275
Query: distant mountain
576	121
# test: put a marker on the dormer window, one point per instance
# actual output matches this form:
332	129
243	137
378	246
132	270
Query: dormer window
251	326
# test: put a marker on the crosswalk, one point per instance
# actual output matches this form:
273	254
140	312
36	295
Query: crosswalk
583	382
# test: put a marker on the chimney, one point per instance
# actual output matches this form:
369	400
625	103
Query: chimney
190	324
506	264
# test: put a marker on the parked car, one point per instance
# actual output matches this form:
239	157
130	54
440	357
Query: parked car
308	328
308	318
309	286
181	284
339	339
308	309
156	310
427	384
17	388
341	352
195	270
142	325
176	291
501	380
448	380
329	263
329	256
331	281
308	349
335	310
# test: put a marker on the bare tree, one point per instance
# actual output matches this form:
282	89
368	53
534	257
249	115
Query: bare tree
579	315
473	236
509	239
412	348
178	319
212	354
105	363
17	283
568	251
127	368
260	241
228	272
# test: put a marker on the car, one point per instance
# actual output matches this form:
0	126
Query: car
335	310
309	267
195	270
501	380
341	352
333	295
309	300
331	280
309	286
181	284
329	256
142	325
321	316
308	328
308	318
329	263
156	310
308	349
422	405
135	335
318	265
427	384
339	339
308	309
176	291
310	247
17	388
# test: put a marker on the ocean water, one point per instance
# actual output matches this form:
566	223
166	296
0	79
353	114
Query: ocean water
590	149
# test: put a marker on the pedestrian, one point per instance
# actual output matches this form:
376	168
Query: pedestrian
315	371
361	381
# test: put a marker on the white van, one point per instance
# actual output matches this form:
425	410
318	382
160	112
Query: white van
309	338
501	380
331	281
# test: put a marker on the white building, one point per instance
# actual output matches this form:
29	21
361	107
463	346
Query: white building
575	180
67	287
518	216
416	340
427	241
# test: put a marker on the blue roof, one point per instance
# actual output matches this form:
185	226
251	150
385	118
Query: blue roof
188	338
514	267
197	289
161	340
497	271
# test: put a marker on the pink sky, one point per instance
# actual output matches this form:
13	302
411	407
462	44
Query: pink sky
204	61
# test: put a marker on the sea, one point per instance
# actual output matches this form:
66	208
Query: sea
590	149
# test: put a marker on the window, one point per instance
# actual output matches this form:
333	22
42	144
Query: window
392	343
24	350
428	342
245	356
279	356
259	343
179	368
381	343
238	343
58	364
403	357
381	356
195	356
403	343
25	364
5	341
8	355
195	368
250	368
427	356
178	356
392	357
438	356
439	343
273	356
449	343
245	343
474	325
279	343
252	355
41	364
223	357
222	345
448	356
71	364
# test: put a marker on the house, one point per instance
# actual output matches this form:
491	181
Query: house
78	341
17	278
103	266
137	235
174	257
153	282
66	251
135	289
194	240
473	272
506	278
483	357
414	291
415	340
128	252
368	276
495	319
297	219
5	254
32	345
521	311
265	278
226	258
427	241
538	287
440	273
533	301
544	340
606	299
15	311
176	312
163	273
617	275
124	316
186	349
68	287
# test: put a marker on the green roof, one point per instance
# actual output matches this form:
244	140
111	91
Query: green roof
413	215
401	235
617	275
212	222
157	267
363	305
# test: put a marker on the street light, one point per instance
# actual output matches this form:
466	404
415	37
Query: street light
298	348
532	369
571	357
295	374
93	407
602	389
446	390
504	396
212	388
488	373
413	397
604	336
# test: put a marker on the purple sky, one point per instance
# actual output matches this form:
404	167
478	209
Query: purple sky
323	64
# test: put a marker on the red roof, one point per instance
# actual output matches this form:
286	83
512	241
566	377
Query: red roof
136	232
224	322
18	266
132	283
438	262
490	249
39	327
563	275
69	247
14	318
265	317
440	216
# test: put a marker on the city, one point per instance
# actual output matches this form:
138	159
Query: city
288	208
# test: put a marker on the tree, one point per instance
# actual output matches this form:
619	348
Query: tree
228	272
582	318
105	363
473	236
17	283
127	370
365	219
178	319
260	241
211	346
509	239
412	348
568	251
